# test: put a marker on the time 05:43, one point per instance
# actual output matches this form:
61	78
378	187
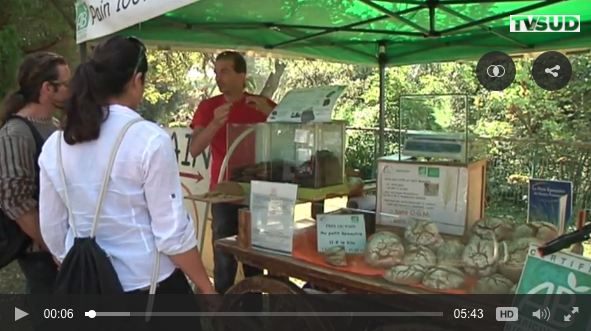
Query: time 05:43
468	313
58	313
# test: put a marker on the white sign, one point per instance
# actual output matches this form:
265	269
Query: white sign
341	230
195	176
307	105
99	18
421	191
272	210
545	23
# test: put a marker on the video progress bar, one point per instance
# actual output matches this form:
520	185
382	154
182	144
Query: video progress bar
271	314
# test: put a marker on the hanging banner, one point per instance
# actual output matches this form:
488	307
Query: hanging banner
99	18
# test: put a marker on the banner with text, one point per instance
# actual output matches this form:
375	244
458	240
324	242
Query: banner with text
99	18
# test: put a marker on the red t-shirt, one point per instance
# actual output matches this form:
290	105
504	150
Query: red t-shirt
240	113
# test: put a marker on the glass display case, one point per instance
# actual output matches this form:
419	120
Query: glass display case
310	155
438	128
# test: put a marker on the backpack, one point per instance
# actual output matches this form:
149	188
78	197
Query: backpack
87	269
13	240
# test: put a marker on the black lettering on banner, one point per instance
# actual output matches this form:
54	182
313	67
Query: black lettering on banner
206	155
175	140
124	4
101	12
186	162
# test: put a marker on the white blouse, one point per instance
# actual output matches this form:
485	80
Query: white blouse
143	207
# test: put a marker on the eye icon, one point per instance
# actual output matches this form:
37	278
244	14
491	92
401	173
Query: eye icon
495	71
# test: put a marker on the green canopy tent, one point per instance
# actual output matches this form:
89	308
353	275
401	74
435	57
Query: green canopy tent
370	32
367	32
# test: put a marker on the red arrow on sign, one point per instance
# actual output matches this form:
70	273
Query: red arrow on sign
197	177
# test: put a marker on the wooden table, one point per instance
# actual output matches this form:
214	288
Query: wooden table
282	267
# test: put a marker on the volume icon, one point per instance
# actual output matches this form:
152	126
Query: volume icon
543	314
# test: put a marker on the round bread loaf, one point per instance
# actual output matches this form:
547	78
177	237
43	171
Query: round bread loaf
406	274
494	284
481	257
384	250
336	256
542	230
423	233
444	277
493	228
450	253
517	252
419	255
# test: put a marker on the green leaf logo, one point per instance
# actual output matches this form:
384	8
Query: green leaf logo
82	16
572	283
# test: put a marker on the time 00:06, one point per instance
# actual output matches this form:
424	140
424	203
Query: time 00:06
468	313
58	313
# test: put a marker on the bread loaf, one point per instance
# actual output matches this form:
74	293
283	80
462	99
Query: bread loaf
450	253
494	284
336	256
406	274
481	257
423	233
444	277
542	230
419	255
517	252
384	250
492	228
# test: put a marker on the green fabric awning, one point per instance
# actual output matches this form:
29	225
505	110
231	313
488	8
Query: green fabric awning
419	31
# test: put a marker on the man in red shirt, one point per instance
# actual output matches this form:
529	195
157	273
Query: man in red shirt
210	128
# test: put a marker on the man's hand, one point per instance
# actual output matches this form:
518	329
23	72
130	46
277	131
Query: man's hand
221	113
259	103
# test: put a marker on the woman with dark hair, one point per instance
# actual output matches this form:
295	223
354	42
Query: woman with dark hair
142	214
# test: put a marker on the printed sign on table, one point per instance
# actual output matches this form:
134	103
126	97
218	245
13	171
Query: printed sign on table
429	192
566	277
307	105
544	202
341	230
272	210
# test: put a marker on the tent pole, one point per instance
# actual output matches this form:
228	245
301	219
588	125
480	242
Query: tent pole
83	51
382	59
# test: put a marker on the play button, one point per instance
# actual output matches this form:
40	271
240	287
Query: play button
18	314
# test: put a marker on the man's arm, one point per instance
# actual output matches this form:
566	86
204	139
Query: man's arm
202	137
17	184
204	129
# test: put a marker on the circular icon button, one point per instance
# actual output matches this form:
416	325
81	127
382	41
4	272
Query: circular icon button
495	71
552	71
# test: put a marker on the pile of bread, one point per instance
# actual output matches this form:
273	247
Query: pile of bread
494	254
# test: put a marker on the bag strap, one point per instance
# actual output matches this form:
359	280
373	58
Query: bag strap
106	177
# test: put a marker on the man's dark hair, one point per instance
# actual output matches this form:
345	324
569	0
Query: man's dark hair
236	58
36	69
104	75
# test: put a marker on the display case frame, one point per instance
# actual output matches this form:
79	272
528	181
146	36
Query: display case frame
304	193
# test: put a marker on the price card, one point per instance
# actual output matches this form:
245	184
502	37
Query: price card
341	230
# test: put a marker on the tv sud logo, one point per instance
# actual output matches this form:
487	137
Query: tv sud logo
545	23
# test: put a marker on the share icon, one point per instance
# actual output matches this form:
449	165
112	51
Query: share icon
551	70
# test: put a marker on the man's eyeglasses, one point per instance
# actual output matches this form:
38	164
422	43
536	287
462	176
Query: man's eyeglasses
58	83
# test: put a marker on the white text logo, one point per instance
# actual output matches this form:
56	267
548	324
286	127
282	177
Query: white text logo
545	23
